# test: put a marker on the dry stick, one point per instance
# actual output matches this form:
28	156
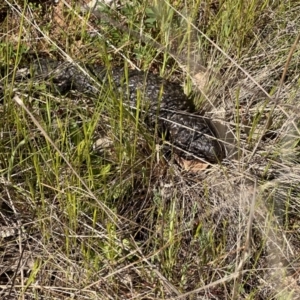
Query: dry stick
293	48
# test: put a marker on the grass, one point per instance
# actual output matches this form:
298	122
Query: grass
125	222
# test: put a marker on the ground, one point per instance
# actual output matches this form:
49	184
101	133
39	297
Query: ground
93	208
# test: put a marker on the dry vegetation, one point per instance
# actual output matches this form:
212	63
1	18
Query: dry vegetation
128	222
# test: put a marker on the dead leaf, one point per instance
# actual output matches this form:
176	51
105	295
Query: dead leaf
191	165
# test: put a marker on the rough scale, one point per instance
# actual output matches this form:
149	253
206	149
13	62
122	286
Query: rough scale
163	102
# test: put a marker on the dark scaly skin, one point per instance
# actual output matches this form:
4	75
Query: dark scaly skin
173	111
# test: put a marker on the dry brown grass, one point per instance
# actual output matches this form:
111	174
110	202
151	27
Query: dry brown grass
130	224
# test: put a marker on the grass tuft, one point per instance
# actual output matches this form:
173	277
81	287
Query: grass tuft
97	208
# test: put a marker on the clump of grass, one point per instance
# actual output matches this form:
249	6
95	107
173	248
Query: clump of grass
127	223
